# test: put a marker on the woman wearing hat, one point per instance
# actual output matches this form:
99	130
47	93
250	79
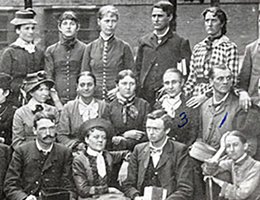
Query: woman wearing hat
37	86
22	56
63	59
92	169
127	113
81	109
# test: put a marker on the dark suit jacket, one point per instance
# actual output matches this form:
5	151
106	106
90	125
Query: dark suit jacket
153	59
27	173
174	171
5	156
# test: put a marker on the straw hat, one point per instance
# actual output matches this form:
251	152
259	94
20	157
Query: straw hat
201	151
34	79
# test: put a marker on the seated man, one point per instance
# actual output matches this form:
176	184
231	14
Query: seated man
245	171
160	162
92	169
40	165
171	98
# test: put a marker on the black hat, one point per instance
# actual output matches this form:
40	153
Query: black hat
5	81
95	123
24	17
34	79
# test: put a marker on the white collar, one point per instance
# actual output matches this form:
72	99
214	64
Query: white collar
105	37
160	36
86	105
45	151
92	152
215	102
161	147
29	47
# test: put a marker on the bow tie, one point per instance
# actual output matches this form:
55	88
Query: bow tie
38	108
155	151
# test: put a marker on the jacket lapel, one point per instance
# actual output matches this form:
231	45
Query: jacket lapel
52	157
144	161
165	155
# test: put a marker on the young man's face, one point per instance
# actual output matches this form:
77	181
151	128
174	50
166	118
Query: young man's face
45	131
172	83
68	28
222	80
212	24
234	147
108	24
26	32
156	131
96	140
160	19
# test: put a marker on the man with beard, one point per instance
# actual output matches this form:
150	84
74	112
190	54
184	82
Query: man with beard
63	59
41	165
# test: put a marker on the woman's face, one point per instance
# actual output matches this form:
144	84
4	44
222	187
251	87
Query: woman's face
96	140
127	87
86	86
41	94
68	28
26	32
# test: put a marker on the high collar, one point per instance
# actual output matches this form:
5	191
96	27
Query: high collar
45	151
160	36
215	102
241	160
106	38
161	147
29	47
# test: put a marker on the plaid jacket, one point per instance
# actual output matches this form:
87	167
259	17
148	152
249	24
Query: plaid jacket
223	52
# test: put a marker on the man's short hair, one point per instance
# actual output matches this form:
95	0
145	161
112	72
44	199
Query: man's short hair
68	15
220	14
161	114
43	115
174	70
108	9
222	67
166	7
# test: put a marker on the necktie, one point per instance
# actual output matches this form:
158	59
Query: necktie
101	166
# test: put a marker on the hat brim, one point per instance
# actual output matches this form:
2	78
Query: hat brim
17	21
32	86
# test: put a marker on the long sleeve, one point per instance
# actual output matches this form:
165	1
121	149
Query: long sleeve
13	185
85	65
49	63
6	59
64	128
128	59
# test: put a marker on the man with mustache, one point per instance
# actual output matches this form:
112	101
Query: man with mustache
41	165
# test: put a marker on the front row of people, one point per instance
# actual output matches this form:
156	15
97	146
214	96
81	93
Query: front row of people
46	169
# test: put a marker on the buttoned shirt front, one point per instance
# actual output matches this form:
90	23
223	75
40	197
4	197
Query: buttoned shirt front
223	52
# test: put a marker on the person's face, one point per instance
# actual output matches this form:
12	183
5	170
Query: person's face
213	25
127	86
234	147
86	86
68	28
156	131
45	131
222	81
160	19
96	140
41	94
26	32
108	24
172	83
3	95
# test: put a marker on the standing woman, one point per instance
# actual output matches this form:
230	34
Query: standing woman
107	55
37	86
22	56
63	59
79	110
127	113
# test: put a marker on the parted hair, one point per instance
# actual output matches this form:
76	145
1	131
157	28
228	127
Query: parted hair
161	114
107	9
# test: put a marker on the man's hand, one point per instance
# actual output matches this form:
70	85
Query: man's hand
114	190
196	101
218	181
111	94
31	197
117	139
133	134
2	140
244	100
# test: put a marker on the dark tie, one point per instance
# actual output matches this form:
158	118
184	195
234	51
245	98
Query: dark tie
38	108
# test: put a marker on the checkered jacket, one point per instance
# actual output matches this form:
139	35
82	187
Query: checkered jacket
223	52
